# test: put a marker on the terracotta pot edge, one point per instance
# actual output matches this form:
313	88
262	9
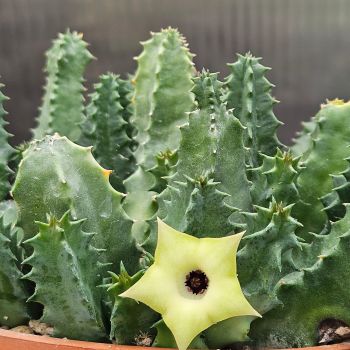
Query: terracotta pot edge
21	340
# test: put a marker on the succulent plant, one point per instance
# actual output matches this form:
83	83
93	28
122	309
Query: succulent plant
62	106
162	95
6	151
73	180
129	319
325	160
13	292
107	128
248	92
246	226
63	260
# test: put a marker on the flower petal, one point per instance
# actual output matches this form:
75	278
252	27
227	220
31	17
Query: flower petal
163	287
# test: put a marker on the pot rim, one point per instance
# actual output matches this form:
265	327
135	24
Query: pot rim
10	340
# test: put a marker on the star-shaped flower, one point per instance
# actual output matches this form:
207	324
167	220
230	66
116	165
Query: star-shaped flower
192	283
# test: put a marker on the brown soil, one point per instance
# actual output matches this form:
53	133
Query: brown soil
333	331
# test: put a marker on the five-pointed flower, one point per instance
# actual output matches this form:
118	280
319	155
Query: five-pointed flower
192	283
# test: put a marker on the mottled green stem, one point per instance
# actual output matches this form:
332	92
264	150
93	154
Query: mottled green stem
162	94
310	296
249	94
62	106
327	157
56	175
129	319
66	271
6	151
13	294
106	128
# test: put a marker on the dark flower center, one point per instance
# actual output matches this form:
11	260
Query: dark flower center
196	282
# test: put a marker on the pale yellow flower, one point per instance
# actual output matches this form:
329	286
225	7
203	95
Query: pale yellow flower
192	283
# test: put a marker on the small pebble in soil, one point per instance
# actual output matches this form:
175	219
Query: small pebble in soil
343	332
41	328
143	339
22	329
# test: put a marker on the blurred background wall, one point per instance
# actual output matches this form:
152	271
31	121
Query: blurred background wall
306	42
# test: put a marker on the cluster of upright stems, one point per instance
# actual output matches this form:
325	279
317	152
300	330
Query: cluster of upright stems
199	153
